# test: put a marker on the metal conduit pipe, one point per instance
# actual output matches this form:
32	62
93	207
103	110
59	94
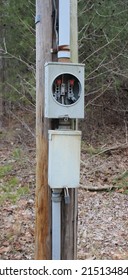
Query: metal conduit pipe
64	29
56	224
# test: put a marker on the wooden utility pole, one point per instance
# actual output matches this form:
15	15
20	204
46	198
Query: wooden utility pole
44	38
69	211
43	193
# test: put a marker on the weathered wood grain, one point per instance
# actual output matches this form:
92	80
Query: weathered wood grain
43	194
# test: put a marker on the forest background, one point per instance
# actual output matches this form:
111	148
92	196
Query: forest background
103	48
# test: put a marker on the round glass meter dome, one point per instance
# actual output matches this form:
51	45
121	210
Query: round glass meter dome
66	89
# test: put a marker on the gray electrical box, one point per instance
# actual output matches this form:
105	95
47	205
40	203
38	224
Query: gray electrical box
64	158
64	90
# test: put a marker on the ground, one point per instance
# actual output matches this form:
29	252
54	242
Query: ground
102	196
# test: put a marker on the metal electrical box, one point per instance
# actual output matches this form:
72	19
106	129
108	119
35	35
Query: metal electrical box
64	90
64	158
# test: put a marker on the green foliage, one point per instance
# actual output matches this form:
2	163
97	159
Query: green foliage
103	33
23	190
17	153
11	189
89	149
122	182
10	185
12	194
18	28
18	44
5	169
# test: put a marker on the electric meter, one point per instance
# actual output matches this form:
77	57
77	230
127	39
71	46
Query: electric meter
64	90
